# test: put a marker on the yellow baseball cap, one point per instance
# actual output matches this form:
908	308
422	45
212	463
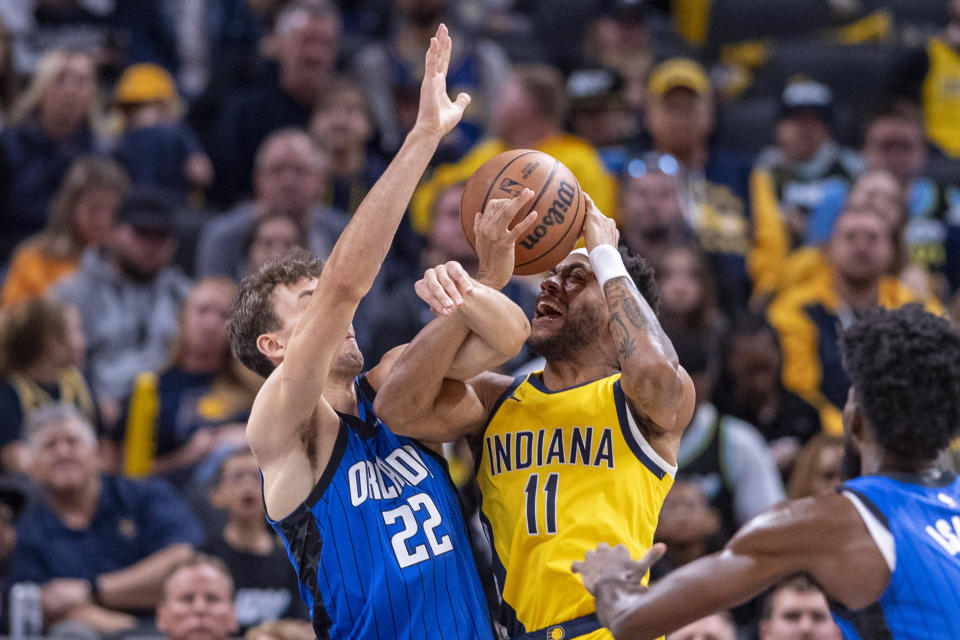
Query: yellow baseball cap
675	73
144	82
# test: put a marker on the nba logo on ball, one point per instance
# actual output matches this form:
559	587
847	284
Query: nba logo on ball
555	633
558	201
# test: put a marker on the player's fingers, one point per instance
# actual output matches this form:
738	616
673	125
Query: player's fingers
523	226
451	296
651	557
431	63
578	566
424	293
436	296
462	101
445	47
460	276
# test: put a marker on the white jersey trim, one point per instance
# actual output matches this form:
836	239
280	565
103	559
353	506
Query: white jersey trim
669	469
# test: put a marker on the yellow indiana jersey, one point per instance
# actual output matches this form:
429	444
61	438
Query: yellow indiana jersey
561	472
941	97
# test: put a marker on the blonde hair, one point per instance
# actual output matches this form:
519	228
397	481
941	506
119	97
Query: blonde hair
808	460
60	237
49	66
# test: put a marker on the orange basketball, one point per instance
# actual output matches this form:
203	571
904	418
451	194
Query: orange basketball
557	199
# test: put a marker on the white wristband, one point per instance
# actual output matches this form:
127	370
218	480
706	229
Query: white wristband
607	263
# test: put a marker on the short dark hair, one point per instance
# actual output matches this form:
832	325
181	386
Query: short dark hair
800	582
643	276
904	365
252	311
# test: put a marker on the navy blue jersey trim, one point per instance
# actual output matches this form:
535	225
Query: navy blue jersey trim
869	622
570	629
941	480
620	401
537	383
506	614
478	439
868	503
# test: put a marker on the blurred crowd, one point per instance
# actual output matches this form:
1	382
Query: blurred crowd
784	165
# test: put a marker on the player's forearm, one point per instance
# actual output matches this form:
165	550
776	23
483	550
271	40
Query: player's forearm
713	583
495	319
416	378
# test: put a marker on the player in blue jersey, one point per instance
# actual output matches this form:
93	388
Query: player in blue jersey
885	547
370	520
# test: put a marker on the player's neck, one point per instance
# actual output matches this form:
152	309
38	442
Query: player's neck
341	395
885	462
563	374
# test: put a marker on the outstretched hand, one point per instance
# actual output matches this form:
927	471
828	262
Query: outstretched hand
496	242
443	287
614	564
597	228
438	114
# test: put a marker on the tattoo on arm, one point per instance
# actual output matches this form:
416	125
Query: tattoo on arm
630	314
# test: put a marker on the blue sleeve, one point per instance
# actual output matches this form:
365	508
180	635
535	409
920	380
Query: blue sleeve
11	414
30	561
165	518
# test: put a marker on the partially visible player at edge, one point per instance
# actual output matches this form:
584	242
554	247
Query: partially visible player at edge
584	450
370	520
885	547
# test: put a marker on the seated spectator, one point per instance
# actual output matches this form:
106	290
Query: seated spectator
100	546
391	71
288	174
281	630
156	147
752	389
805	177
894	142
797	608
41	351
688	302
818	469
599	114
853	278
689	527
180	416
528	113
129	296
272	235
197	601
9	80
650	214
718	626
621	38
714	183
52	124
266	588
82	214
13	498
726	458
342	125
304	43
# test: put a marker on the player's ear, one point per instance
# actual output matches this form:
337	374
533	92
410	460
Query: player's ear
269	345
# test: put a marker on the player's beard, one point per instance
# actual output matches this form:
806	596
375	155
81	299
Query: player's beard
579	329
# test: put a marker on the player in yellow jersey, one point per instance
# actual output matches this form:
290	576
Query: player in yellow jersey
581	452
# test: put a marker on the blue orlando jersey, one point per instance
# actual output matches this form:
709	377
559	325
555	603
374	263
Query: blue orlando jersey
916	525
380	546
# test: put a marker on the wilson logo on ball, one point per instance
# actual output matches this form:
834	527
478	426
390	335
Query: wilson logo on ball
556	214
511	187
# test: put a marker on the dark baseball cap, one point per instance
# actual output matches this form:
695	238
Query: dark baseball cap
595	87
626	10
804	94
149	209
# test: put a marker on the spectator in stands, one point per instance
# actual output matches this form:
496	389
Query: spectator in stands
751	388
129	297
724	456
528	114
688	303
937	92
854	277
718	626
714	187
98	545
342	125
156	147
797	608
650	215
805	177
272	235
620	38
266	588
600	114
688	525
288	173
41	351
818	469
178	417
391	72
280	630
304	44
12	500
197	601
403	314
9	80
82	215
51	124
894	142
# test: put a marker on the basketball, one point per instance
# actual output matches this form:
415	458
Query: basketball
557	199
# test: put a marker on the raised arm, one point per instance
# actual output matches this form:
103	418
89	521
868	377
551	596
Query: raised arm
653	379
823	536
426	394
292	391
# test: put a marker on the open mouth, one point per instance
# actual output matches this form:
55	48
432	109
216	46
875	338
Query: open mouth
546	309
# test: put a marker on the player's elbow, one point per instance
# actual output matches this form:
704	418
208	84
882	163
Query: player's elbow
514	336
397	410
